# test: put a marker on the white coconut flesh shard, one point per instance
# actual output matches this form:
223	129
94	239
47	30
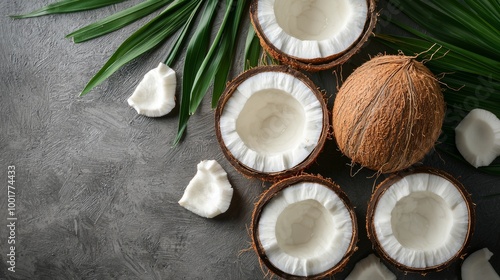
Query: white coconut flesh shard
371	268
477	266
305	230
309	29
478	137
155	94
421	221
272	122
209	193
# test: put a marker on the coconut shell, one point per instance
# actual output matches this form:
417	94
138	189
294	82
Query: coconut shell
317	64
272	176
275	190
384	186
388	113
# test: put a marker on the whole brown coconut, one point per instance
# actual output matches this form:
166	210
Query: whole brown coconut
388	113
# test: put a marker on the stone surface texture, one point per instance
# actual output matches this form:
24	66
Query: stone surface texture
97	185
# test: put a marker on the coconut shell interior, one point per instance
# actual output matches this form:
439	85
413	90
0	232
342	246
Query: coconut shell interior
385	185
318	64
271	176
275	190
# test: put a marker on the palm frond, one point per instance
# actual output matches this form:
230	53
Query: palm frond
452	21
116	21
195	53
68	6
181	39
144	39
205	63
229	43
213	68
460	45
210	64
252	49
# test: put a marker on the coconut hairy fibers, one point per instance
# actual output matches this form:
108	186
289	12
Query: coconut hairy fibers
388	113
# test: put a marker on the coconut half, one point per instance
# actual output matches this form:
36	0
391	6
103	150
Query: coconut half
313	35
420	221
271	122
304	227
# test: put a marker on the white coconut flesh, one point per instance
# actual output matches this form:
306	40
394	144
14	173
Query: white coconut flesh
155	94
311	29
477	266
209	193
305	230
421	221
370	268
478	137
272	122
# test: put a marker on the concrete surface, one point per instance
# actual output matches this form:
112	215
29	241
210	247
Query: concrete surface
96	185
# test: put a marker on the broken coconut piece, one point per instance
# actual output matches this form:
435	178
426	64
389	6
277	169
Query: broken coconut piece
476	266
477	137
313	35
304	227
421	220
155	94
370	268
209	193
271	122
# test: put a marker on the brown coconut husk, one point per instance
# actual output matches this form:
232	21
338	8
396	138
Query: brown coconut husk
272	176
388	113
385	185
275	190
321	63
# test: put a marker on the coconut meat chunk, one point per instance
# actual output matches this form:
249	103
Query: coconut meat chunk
476	266
272	122
209	193
306	229
421	221
155	94
477	137
309	29
370	268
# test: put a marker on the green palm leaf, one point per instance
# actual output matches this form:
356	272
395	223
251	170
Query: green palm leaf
202	82
252	49
488	10
450	59
229	43
214	66
68	6
221	76
144	39
205	62
212	61
195	53
462	41
181	39
117	20
452	21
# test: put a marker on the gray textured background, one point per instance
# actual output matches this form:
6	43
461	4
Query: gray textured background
98	185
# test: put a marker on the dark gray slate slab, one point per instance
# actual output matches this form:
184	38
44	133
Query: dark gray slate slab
97	185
